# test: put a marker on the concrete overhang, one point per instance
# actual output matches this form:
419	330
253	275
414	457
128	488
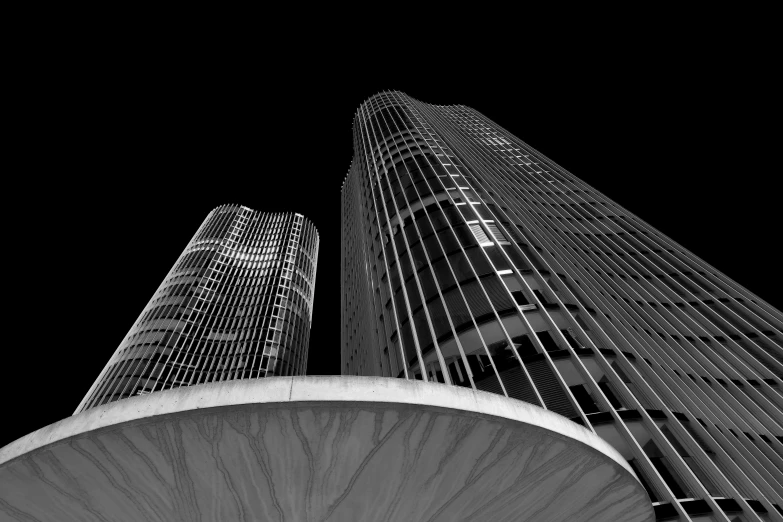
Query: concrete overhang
318	448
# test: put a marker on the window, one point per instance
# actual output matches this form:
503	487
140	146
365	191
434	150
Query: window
495	231
571	339
664	468
584	399
608	390
643	479
524	346
481	236
519	297
541	297
546	340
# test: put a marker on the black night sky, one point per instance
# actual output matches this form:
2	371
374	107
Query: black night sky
122	159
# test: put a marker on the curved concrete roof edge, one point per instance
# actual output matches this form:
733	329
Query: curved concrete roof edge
308	389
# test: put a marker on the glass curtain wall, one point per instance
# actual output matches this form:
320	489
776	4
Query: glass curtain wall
470	259
237	304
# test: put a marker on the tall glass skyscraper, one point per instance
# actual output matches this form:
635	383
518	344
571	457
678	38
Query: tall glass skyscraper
470	259
180	426
237	304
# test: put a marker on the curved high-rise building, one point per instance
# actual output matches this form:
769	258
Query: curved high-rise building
179	426
470	259
237	304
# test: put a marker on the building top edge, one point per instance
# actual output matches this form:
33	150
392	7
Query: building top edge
283	213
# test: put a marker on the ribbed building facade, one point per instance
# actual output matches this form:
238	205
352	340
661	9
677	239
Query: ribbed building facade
470	259
237	304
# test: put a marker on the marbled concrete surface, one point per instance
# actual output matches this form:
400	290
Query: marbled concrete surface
317	448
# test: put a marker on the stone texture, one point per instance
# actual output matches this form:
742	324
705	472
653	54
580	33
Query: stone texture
344	453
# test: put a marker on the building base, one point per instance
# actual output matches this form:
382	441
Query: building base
317	448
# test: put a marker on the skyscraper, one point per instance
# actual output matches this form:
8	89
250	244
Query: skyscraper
180	426
470	259
237	304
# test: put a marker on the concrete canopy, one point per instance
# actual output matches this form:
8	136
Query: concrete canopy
317	448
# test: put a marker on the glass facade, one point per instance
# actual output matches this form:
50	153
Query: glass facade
237	304
470	259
